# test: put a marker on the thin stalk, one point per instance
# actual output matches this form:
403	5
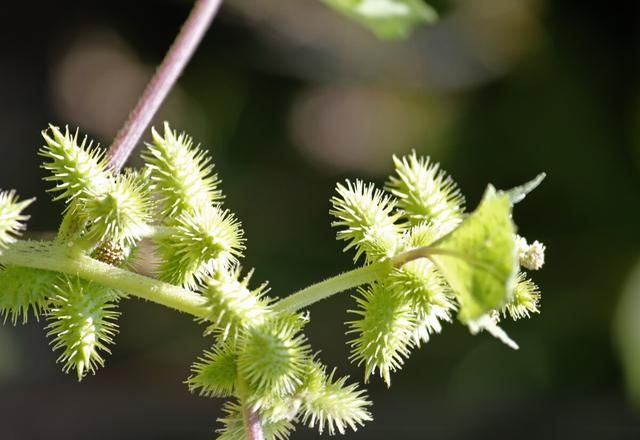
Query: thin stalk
422	252
331	286
353	278
163	80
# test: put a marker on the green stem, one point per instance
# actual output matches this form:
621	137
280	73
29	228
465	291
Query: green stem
54	258
422	252
354	278
331	286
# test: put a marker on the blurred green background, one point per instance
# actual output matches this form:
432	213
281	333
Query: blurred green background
290	98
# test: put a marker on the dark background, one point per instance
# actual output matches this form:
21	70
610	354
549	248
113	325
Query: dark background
291	98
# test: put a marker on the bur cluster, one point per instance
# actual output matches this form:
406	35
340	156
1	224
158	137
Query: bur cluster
260	359
434	261
472	270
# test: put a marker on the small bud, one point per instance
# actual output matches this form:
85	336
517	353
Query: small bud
525	299
531	256
112	252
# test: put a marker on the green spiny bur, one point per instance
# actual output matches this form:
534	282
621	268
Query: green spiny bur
231	306
182	174
430	297
272	356
328	403
216	372
122	213
11	217
79	170
24	291
524	300
366	220
202	241
383	331
425	193
82	324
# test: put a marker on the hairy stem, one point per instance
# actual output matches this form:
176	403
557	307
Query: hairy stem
48	256
353	278
252	424
54	258
331	286
162	82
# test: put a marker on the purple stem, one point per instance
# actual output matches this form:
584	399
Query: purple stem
157	90
254	427
162	82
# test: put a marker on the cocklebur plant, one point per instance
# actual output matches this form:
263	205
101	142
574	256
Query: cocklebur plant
422	261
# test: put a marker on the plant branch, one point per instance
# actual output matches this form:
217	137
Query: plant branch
252	424
162	82
354	278
331	286
253	427
49	256
54	258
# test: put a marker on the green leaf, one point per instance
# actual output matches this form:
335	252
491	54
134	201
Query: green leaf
479	259
388	19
